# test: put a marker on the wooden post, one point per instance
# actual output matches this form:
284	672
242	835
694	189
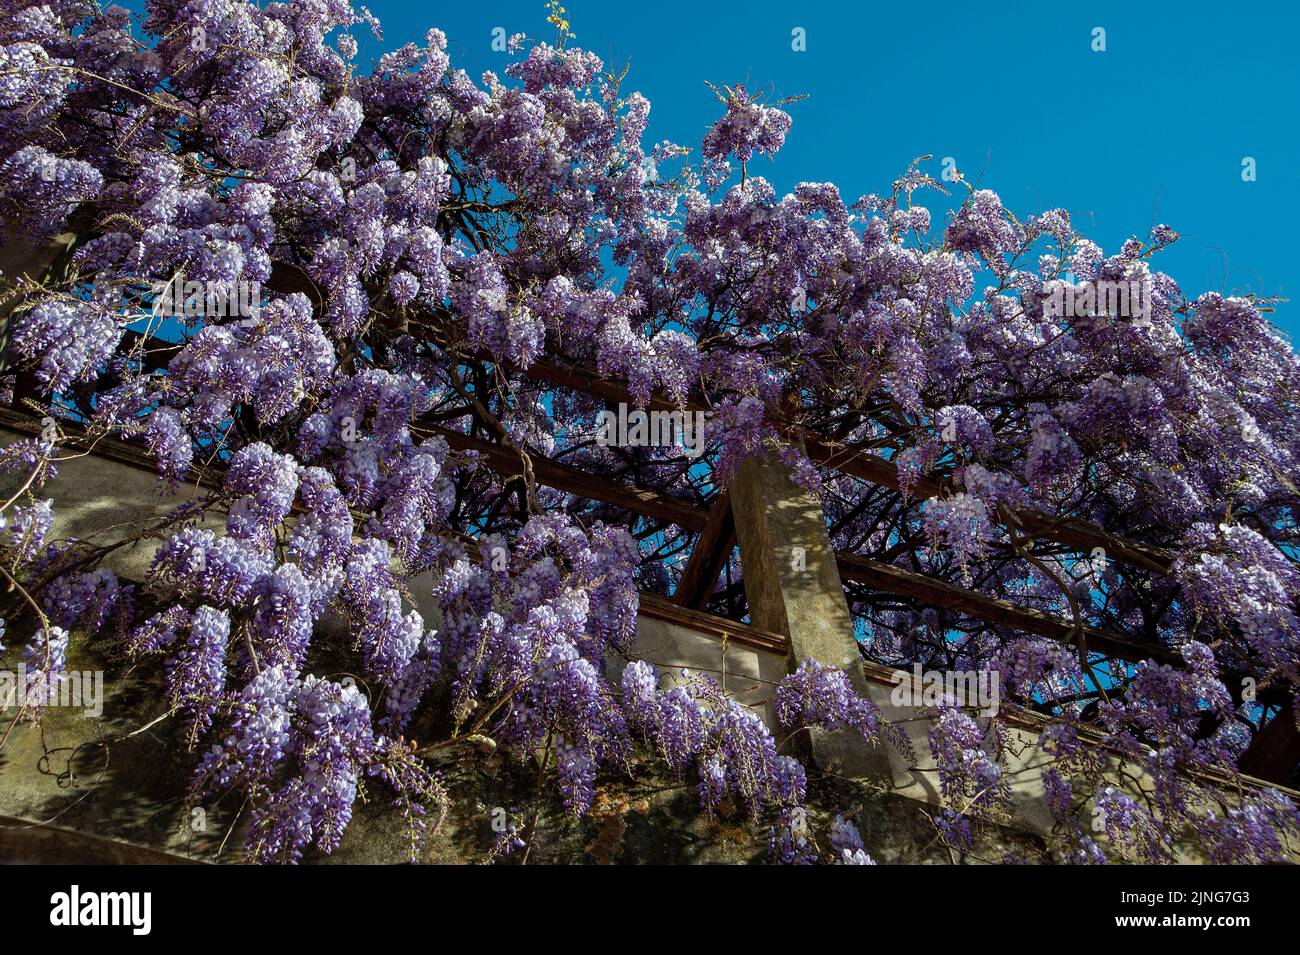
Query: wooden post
708	557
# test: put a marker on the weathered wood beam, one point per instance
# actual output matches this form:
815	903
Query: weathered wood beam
662	608
939	593
1069	531
709	555
901	582
860	463
562	477
1274	753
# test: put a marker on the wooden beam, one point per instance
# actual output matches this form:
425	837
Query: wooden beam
565	478
661	608
1274	753
1074	533
593	383
940	593
709	555
857	462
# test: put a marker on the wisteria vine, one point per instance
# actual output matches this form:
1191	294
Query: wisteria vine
395	246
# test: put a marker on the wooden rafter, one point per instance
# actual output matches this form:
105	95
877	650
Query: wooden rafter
860	463
1274	753
661	608
709	555
1069	531
564	477
940	593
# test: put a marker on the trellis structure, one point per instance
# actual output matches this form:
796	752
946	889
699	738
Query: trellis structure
1272	756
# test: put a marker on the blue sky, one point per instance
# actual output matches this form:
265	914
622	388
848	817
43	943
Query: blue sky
1154	129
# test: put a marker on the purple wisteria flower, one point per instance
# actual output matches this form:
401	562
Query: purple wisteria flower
431	271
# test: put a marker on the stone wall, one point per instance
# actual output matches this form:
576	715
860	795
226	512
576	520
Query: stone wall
114	788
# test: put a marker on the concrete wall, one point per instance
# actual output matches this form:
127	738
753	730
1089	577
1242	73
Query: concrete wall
134	789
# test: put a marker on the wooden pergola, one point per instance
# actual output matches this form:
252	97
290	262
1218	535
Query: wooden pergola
1272	756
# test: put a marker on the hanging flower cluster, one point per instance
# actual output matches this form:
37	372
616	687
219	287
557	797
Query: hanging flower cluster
390	264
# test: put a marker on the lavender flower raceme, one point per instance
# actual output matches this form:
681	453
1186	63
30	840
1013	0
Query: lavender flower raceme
196	676
381	266
846	844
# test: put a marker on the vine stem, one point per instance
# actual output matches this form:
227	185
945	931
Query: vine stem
537	798
45	626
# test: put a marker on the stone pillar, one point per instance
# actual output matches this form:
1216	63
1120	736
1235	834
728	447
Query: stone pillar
793	587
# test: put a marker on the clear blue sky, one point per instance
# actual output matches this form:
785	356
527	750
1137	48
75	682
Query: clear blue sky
1152	130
